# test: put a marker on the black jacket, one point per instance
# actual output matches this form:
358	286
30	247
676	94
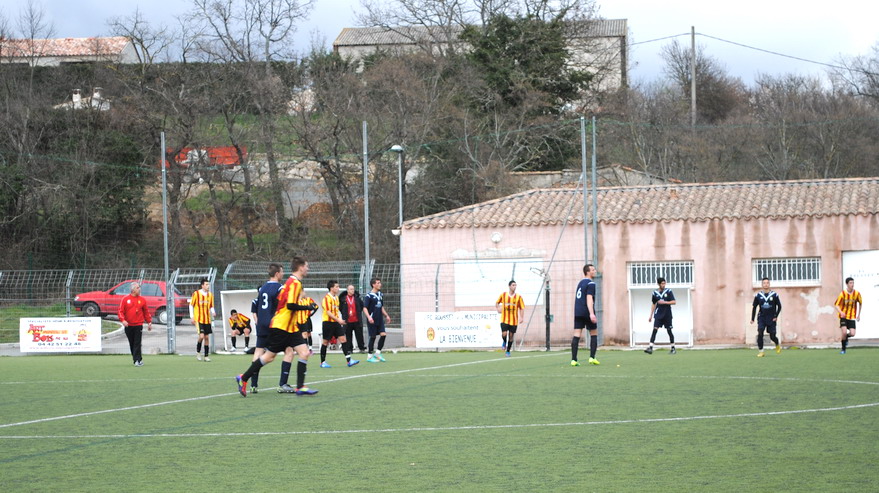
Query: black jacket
343	306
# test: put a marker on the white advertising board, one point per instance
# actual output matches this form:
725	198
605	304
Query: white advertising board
60	335
457	329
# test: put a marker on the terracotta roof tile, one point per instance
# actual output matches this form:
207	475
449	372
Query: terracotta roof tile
668	202
59	47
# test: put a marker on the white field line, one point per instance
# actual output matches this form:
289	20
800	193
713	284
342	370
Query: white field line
191	399
412	370
447	428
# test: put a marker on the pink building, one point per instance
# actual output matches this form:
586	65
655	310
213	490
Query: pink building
712	242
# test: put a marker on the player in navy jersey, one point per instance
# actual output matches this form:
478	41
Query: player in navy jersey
660	314
584	316
769	304
376	316
266	305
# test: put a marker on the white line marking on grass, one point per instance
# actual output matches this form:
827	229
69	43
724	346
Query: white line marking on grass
178	401
446	428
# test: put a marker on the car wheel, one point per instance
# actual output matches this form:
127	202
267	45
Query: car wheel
91	310
162	316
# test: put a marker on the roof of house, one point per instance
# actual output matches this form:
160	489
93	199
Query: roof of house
668	202
63	47
377	36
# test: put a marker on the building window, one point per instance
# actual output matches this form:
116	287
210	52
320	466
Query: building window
799	271
642	274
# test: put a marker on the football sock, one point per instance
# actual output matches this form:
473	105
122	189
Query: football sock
510	342
844	343
323	352
301	367
381	342
653	337
254	369
774	339
346	350
593	345
285	372
575	346
371	343
671	337
247	341
310	343
760	340
207	350
504	335
198	347
254	380
234	344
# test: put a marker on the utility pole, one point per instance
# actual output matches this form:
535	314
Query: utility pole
693	76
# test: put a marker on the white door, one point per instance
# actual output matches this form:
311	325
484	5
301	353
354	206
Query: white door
641	300
863	266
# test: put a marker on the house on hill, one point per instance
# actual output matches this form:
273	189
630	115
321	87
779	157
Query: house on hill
58	51
712	242
602	47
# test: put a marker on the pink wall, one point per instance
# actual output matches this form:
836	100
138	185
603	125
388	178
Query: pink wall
722	251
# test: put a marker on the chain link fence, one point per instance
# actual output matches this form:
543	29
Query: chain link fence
455	286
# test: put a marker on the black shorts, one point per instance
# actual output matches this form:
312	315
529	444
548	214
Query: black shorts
378	327
279	340
584	322
306	327
205	328
332	329
241	330
847	323
767	324
509	328
662	322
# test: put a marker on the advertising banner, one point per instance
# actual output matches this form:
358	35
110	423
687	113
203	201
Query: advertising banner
457	329
60	335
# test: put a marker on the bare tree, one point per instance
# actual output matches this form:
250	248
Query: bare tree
717	93
860	74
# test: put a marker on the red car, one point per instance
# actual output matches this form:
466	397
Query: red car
101	303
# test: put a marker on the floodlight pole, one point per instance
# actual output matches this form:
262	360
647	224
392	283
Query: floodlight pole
366	202
170	305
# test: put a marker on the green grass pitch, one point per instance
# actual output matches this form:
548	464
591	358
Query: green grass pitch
701	420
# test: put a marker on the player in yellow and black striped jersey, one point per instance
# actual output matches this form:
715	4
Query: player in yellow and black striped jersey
239	324
848	306
333	326
511	308
284	335
201	311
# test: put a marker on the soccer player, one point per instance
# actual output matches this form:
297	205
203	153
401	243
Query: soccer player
266	305
201	311
584	315
333	326
284	334
239	324
660	312
512	308
376	317
769	305
133	312
848	305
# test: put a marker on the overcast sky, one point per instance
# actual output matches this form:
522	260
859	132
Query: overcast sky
809	30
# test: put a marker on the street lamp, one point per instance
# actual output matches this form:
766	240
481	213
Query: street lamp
400	151
396	232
